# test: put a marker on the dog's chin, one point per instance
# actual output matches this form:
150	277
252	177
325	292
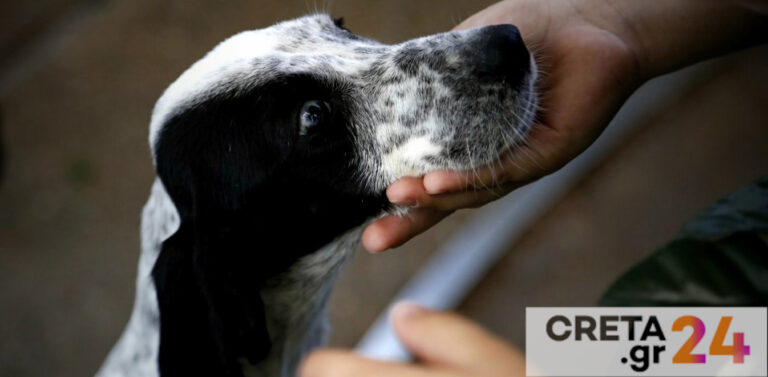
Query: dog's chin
521	106
459	168
491	158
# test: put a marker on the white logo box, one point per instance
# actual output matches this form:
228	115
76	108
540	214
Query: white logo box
606	356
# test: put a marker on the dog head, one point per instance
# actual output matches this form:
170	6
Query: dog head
280	140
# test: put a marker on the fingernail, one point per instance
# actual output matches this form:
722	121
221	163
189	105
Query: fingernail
395	197
433	186
405	310
403	202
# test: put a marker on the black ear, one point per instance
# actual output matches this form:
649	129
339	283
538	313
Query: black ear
211	314
208	274
183	308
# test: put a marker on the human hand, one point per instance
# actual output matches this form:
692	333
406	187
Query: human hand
589	69
593	54
444	345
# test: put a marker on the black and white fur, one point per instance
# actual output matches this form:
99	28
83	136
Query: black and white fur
253	214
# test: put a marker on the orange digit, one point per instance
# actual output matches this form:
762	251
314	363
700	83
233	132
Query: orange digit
738	349
684	356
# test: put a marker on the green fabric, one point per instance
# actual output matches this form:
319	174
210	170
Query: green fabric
719	259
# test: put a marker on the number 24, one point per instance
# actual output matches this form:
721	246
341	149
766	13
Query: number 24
684	356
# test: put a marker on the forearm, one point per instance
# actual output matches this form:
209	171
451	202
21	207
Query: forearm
670	34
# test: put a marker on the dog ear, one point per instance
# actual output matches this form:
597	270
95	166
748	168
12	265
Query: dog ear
185	347
207	275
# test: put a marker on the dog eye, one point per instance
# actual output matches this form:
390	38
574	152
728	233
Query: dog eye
312	115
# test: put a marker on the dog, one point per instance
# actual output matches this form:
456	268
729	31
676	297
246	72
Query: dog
272	152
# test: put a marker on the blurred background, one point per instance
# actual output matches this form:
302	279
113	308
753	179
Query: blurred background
78	80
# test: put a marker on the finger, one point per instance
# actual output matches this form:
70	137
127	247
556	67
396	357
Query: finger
452	342
512	170
337	363
406	191
411	192
392	231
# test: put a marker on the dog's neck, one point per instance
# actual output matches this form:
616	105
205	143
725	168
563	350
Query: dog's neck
294	301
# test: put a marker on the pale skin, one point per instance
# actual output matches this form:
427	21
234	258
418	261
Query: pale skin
594	54
444	344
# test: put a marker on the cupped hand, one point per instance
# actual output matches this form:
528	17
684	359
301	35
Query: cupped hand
444	345
587	68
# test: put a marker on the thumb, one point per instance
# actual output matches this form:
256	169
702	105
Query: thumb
450	341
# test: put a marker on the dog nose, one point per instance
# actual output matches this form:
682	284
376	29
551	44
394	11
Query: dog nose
501	53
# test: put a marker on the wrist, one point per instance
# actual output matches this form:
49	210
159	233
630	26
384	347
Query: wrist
669	35
618	18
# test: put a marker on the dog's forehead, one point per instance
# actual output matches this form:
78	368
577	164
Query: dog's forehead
309	44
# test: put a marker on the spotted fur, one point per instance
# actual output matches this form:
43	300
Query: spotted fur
249	223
